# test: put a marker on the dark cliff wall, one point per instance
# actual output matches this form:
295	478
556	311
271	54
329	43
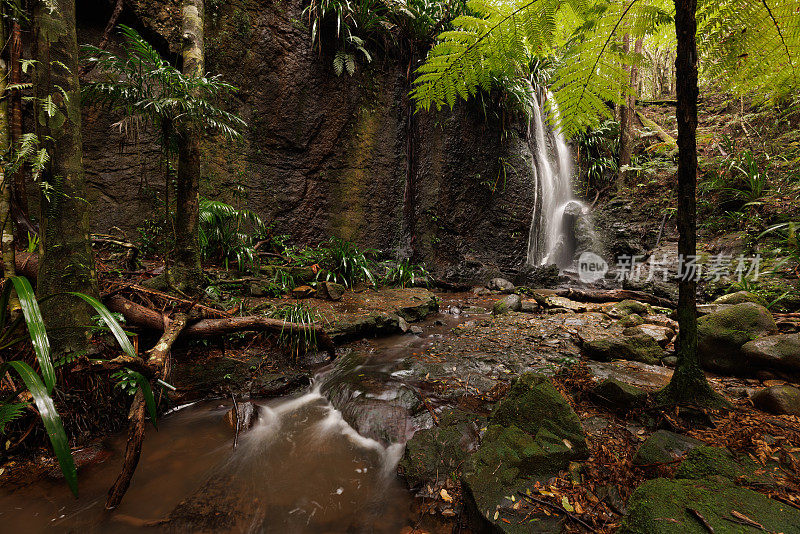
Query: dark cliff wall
325	155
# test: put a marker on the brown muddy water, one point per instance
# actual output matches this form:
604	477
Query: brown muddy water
301	469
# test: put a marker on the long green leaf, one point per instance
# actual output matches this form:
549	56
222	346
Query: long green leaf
36	329
50	418
147	391
113	324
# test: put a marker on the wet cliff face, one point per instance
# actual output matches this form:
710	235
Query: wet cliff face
325	155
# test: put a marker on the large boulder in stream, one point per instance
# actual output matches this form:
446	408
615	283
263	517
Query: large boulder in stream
532	435
663	506
723	333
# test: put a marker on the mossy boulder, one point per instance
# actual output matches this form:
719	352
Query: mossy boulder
782	400
662	506
781	352
709	462
618	395
628	307
631	320
440	451
507	304
533	434
638	348
740	297
721	335
664	447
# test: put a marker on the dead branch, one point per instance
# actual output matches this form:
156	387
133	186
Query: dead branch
609	295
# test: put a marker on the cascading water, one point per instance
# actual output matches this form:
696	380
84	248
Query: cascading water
548	237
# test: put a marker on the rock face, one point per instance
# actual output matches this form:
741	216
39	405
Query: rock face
778	400
721	335
661	506
357	164
781	352
532	434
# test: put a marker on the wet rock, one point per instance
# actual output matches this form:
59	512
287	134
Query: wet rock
402	324
529	306
303	292
662	506
373	324
278	385
639	348
500	284
564	303
618	395
778	400
721	335
507	304
663	447
660	334
247	416
416	330
330	291
740	297
423	304
437	453
780	352
633	373
84	457
532	435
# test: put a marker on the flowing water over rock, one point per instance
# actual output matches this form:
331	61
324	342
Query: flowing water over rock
552	237
322	462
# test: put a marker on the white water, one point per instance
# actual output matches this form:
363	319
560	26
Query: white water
553	190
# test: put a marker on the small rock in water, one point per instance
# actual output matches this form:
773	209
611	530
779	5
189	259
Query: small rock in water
507	304
403	325
500	284
248	415
416	330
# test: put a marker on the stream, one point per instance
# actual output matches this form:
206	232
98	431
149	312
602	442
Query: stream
302	468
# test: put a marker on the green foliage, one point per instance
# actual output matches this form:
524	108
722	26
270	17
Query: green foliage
786	234
344	263
228	233
150	91
296	342
599	150
41	384
406	274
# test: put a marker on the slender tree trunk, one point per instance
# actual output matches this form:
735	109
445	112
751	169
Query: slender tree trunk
9	260
186	273
688	384
15	60
627	114
66	259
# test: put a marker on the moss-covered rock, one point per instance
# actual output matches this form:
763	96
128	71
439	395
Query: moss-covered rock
721	335
631	320
507	304
663	447
638	348
533	434
439	452
628	307
618	395
662	506
783	399
740	297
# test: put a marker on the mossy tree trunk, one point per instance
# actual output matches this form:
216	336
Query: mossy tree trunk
186	273
7	230
688	384
66	259
15	67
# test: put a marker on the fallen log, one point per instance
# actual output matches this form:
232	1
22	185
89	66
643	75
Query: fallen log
610	295
139	315
133	448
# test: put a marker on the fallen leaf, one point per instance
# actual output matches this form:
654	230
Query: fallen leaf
565	503
445	496
496	515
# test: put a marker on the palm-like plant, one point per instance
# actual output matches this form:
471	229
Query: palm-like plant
150	91
229	233
40	385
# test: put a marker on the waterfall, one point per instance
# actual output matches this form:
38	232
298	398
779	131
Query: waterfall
548	240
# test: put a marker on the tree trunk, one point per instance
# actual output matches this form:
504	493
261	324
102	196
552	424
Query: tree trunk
66	260
688	384
7	229
627	114
186	273
15	60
